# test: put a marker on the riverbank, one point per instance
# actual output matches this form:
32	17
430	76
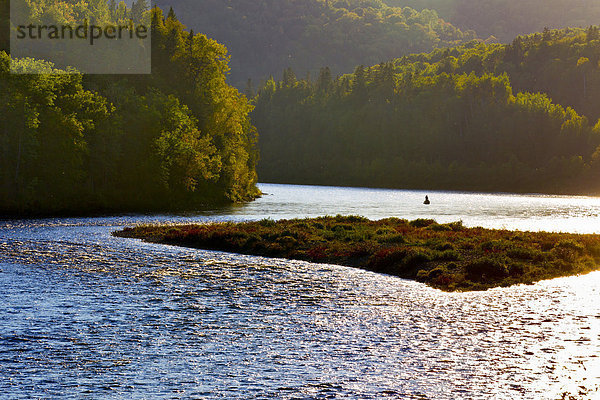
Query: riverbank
450	256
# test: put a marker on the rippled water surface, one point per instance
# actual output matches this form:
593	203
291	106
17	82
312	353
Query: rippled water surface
86	315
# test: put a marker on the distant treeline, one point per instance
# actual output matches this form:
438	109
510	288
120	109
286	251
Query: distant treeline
561	63
506	19
178	138
458	118
265	36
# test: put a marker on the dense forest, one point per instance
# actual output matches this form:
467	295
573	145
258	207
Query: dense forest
465	114
4	25
469	117
561	63
265	36
507	19
177	138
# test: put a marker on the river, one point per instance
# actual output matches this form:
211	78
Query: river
87	315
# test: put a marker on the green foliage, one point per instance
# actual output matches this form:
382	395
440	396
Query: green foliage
46	119
520	253
267	222
486	268
465	259
560	63
505	19
448	255
417	258
422	223
392	238
268	36
568	249
474	117
176	139
444	246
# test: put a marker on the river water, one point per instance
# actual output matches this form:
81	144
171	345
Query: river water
87	315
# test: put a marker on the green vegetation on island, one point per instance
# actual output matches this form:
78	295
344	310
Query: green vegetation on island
519	117
450	256
176	139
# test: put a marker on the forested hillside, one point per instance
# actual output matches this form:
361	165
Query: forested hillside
459	118
178	138
564	64
4	25
265	36
507	19
466	115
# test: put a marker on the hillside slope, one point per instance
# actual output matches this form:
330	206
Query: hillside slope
506	19
266	36
467	118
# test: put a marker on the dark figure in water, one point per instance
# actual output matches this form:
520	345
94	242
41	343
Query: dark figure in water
427	200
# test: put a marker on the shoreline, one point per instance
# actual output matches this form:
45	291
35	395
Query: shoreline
442	189
448	257
430	190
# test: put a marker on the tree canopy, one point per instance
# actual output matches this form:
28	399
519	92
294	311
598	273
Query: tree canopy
506	19
565	64
470	117
266	36
178	138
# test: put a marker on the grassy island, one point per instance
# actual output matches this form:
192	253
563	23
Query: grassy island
450	256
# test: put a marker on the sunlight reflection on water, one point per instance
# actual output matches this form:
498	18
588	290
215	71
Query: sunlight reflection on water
524	212
88	315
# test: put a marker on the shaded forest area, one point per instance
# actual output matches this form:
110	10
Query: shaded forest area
178	138
519	117
266	36
507	19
